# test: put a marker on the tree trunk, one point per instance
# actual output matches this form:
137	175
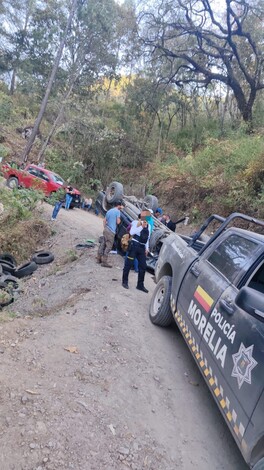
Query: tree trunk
159	141
222	118
54	127
13	81
245	106
49	86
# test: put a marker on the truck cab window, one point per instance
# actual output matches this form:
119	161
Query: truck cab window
33	171
232	255
43	176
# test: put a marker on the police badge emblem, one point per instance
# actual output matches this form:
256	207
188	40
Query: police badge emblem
244	363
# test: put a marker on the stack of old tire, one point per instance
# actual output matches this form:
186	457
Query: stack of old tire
10	273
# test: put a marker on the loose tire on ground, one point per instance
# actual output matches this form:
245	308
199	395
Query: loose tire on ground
26	269
43	257
8	257
159	310
114	192
12	182
7	267
151	202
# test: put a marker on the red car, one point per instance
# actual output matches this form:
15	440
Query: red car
36	177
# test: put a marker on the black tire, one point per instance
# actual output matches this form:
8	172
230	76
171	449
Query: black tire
259	465
26	269
12	182
159	310
9	258
105	205
7	267
10	298
114	192
151	202
155	237
10	280
43	257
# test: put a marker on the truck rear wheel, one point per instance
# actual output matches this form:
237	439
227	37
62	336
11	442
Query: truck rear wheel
155	237
12	182
114	192
151	202
159	310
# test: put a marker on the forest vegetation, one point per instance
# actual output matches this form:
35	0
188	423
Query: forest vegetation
164	96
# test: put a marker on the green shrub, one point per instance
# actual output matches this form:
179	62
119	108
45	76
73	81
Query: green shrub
4	151
5	107
18	203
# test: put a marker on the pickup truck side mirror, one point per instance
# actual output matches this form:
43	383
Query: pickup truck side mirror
251	301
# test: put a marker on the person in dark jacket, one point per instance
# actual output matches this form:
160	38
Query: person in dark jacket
168	222
138	248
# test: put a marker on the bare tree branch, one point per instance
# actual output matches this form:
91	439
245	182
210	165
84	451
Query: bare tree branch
199	48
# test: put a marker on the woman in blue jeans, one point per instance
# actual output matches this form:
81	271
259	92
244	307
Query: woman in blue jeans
69	193
57	207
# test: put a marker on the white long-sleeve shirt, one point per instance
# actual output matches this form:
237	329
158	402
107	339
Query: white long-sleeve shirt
136	230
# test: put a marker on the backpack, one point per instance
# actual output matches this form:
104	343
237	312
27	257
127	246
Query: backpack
125	241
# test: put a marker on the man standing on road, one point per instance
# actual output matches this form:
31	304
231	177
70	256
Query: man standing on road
138	248
111	220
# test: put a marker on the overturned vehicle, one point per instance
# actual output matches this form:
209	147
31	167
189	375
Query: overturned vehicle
132	208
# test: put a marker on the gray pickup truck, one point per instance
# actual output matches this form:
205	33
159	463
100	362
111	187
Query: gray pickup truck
214	291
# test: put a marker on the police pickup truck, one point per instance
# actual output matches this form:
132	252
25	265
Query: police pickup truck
215	293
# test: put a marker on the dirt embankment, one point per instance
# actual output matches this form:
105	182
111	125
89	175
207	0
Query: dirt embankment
88	383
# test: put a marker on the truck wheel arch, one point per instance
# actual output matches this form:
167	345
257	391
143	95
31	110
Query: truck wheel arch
11	180
166	270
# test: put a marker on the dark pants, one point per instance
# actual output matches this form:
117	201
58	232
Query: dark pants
136	250
135	263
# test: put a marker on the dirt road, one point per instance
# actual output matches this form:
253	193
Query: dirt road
130	396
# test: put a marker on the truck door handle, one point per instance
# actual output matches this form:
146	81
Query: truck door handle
195	271
227	306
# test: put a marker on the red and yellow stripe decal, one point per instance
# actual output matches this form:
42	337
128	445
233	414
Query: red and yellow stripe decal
229	413
203	298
